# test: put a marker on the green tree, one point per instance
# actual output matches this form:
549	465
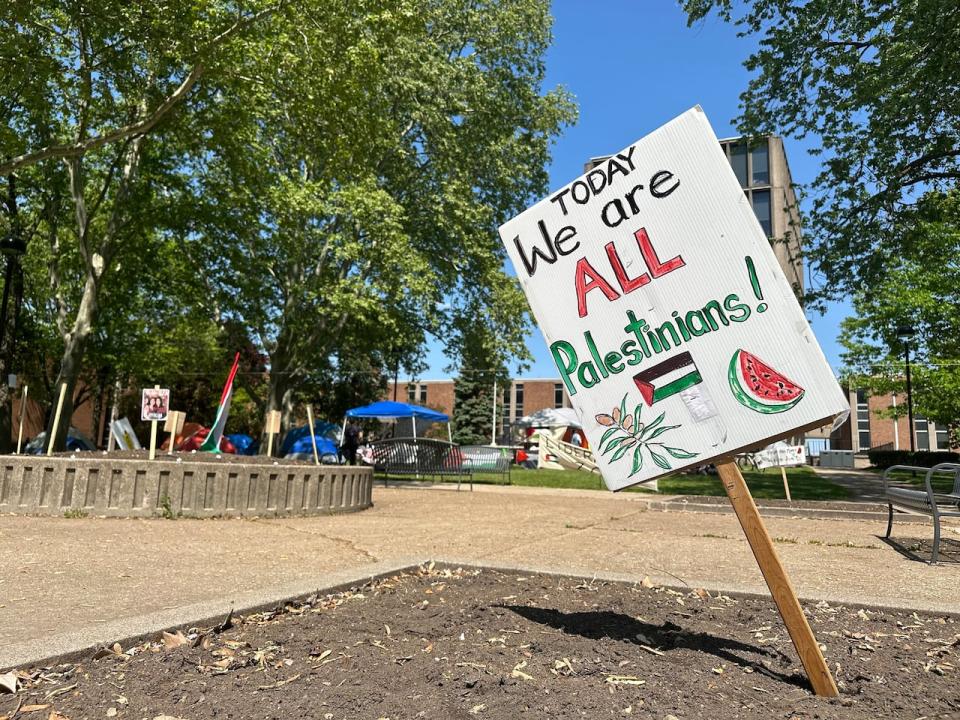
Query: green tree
363	203
86	92
481	360
918	291
877	84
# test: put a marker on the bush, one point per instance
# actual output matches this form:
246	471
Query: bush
886	458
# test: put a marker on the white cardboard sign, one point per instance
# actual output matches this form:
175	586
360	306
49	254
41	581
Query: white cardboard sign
779	454
673	327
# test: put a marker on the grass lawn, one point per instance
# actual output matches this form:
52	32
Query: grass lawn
804	483
942	483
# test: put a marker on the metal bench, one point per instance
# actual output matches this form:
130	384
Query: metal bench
489	459
420	457
926	501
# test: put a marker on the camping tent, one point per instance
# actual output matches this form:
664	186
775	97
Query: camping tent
297	441
551	418
388	410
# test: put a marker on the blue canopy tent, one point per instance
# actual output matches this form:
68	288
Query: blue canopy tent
388	410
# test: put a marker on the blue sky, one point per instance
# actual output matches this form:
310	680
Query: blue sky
632	66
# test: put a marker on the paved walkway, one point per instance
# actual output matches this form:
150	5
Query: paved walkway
863	486
68	584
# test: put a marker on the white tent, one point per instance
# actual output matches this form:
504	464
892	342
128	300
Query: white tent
551	418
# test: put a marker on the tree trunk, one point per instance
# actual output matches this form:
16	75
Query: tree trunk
70	362
277	391
8	337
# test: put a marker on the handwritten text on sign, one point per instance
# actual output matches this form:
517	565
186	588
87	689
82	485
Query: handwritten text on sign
659	294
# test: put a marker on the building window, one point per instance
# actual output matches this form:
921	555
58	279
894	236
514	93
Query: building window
506	406
923	433
738	161
558	395
518	400
863	421
411	393
943	441
761	208
423	394
760	165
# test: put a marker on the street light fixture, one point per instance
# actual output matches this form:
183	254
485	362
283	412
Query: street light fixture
905	333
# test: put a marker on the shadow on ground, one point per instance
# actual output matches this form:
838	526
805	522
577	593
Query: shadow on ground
921	550
665	637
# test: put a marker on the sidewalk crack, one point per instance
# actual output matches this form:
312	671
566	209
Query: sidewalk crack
343	542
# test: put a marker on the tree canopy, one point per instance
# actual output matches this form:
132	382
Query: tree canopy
917	293
327	176
876	85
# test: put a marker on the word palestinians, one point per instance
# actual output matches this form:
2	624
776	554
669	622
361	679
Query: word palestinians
646	341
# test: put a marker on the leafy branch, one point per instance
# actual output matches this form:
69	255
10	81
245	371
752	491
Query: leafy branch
625	433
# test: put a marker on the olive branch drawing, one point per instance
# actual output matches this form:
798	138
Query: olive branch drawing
626	432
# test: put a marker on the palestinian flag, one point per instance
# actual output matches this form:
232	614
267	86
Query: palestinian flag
212	441
664	379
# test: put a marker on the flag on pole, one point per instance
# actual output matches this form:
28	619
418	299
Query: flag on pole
212	441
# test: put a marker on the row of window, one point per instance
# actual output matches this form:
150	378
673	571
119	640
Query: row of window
417	393
751	165
921	428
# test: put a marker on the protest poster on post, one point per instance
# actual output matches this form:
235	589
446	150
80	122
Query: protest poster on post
154	404
676	334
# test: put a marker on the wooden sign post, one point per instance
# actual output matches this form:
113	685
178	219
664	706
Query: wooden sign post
675	331
786	485
23	412
56	419
272	428
781	455
173	425
313	438
776	578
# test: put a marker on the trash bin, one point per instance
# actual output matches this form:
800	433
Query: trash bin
836	459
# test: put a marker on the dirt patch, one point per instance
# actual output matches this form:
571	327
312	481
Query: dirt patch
442	643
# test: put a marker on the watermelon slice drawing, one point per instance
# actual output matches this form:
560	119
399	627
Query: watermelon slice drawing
759	387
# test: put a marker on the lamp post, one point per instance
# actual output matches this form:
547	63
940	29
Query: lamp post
904	333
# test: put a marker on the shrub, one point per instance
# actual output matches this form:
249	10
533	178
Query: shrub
886	458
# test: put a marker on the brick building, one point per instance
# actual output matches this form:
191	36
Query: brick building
867	428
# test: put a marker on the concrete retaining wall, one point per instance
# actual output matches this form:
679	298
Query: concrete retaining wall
39	485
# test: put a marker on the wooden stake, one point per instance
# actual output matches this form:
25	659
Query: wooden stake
776	577
153	434
56	419
786	485
273	427
313	439
23	412
173	425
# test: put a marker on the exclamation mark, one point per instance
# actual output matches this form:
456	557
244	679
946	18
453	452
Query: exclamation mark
755	284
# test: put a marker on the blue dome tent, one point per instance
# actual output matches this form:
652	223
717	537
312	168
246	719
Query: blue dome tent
297	441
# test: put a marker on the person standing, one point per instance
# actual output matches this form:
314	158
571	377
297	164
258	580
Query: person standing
351	441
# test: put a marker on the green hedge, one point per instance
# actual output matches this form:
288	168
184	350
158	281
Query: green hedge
886	458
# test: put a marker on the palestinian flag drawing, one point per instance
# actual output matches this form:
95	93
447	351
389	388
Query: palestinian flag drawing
212	441
667	378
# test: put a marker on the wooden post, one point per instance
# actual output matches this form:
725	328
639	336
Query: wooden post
313	439
786	485
776	577
153	434
174	425
273	427
56	419
23	412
